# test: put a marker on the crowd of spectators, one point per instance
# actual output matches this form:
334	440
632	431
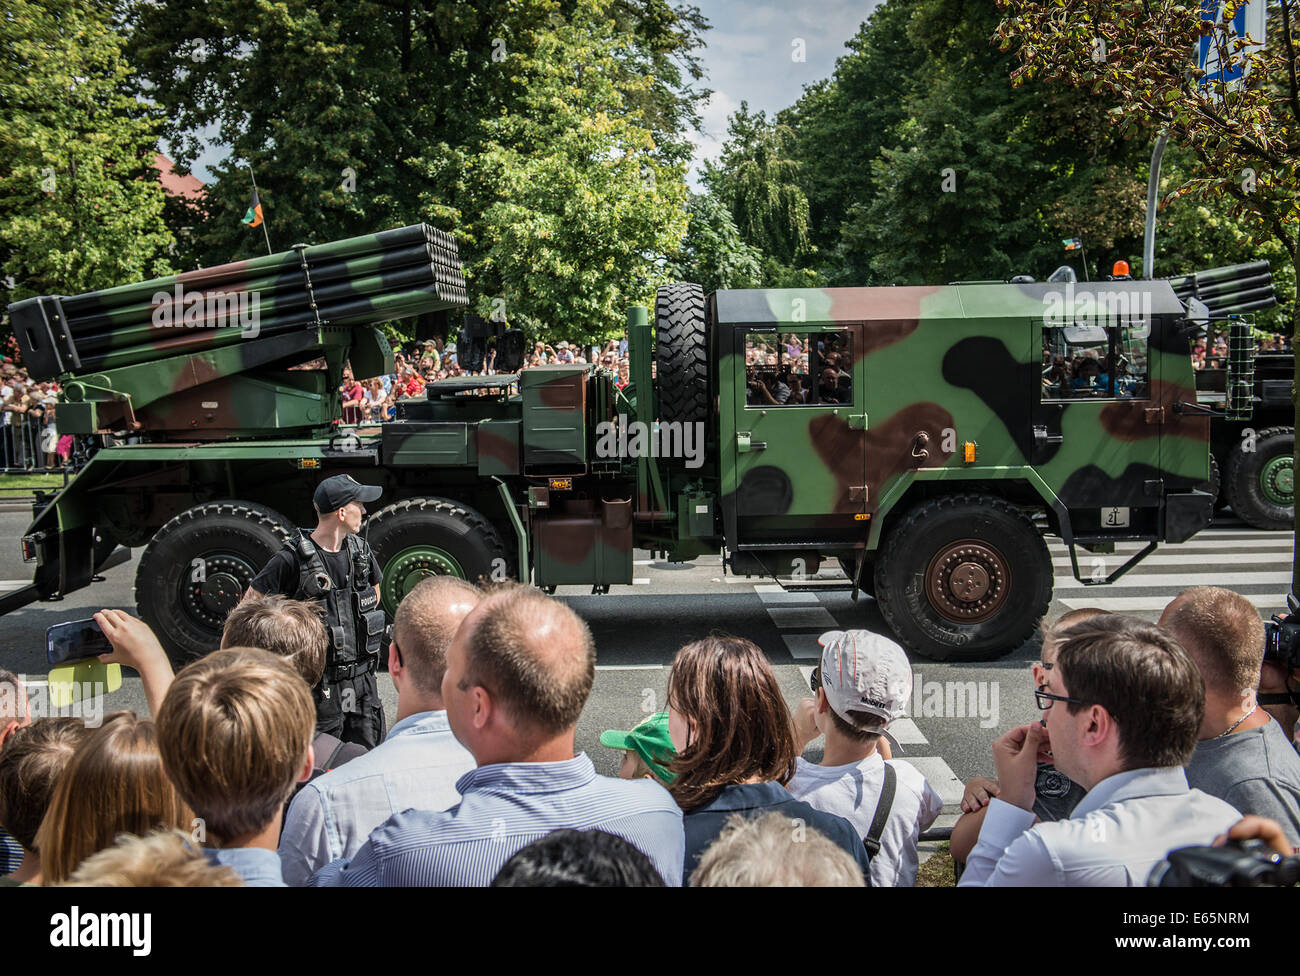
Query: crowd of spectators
29	435
1151	739
375	399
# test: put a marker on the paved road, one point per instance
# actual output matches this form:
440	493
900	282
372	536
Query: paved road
958	710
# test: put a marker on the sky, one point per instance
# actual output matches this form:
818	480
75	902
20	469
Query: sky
758	51
751	55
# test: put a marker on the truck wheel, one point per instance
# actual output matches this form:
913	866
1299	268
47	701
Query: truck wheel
964	578
421	537
1259	484
681	352
197	568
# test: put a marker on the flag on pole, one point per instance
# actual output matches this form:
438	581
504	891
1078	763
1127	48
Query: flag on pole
1072	243
254	216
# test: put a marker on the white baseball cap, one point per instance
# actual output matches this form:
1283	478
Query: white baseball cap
865	672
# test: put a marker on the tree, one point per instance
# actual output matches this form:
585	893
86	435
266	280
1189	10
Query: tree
1245	139
80	203
358	116
713	253
757	179
572	212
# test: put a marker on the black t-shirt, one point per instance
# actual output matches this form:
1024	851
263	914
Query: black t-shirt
280	575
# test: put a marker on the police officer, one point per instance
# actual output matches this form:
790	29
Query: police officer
334	567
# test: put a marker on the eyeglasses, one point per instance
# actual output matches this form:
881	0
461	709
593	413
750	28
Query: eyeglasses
1041	696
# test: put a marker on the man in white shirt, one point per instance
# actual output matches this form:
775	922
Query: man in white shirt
1123	708
417	764
864	682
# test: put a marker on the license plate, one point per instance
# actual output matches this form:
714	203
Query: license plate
1114	518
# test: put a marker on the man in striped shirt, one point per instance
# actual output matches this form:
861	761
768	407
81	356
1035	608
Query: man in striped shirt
518	674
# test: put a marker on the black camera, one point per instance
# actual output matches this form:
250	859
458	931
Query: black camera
1282	637
1238	864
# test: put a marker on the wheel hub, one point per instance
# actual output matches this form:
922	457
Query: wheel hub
221	586
1277	480
968	581
405	570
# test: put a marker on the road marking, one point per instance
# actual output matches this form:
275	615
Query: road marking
802	617
782	597
641	581
906	733
1118	559
1180	580
940	775
1129	604
803	647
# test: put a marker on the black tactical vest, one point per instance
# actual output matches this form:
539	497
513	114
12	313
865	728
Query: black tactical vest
353	617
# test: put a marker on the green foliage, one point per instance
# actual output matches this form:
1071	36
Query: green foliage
80	205
1245	142
548	136
757	180
924	89
714	254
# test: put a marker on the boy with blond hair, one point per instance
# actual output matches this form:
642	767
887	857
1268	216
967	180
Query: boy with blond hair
235	733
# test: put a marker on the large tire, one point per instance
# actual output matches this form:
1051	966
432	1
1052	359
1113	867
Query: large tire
681	354
420	537
975	537
187	607
1259	484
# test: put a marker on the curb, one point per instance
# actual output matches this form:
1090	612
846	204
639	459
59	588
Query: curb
17	503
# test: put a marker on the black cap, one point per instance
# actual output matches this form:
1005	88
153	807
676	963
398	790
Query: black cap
336	491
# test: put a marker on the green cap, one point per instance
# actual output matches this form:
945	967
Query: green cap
650	741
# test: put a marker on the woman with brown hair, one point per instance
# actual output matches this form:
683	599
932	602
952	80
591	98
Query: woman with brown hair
114	784
735	747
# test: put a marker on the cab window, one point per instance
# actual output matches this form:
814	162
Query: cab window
798	369
1087	362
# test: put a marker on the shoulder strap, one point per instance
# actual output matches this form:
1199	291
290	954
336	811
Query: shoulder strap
325	741
883	807
359	563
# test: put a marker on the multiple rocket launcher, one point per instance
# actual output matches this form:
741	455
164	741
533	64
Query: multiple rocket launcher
354	282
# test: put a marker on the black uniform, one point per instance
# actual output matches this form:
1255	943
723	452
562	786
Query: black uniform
343	583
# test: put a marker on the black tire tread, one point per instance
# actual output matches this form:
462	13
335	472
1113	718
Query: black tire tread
471	517
1232	485
681	353
257	514
890	552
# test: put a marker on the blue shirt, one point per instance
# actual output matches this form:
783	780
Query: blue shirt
11	852
1120	830
705	823
258	867
506	806
415	767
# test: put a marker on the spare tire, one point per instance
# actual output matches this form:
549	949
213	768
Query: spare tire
681	353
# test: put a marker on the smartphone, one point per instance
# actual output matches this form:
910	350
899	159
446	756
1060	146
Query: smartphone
75	640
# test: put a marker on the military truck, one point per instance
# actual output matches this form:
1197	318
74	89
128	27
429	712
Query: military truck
911	433
1256	455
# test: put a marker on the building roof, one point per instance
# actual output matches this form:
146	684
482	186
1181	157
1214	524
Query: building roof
173	183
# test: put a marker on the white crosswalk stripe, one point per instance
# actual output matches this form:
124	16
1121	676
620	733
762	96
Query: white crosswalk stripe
1255	564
